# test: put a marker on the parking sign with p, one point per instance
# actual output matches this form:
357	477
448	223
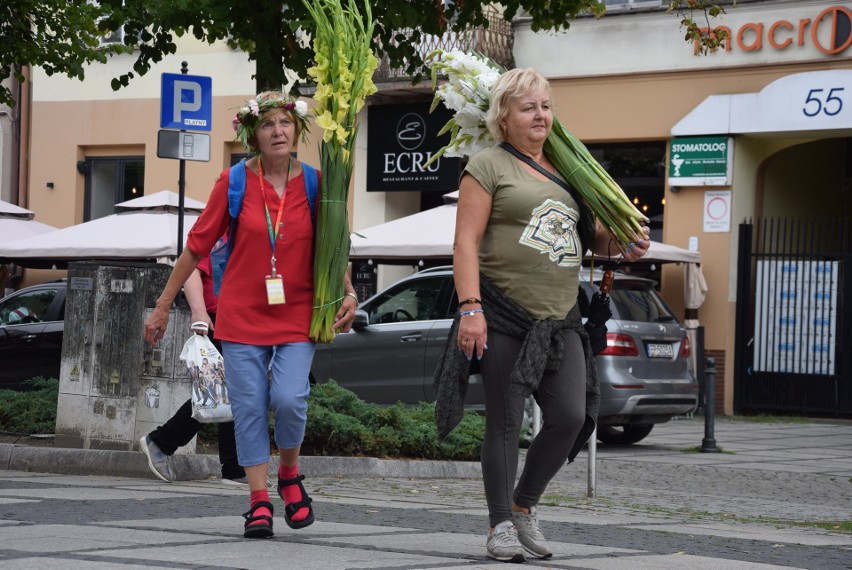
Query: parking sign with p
186	102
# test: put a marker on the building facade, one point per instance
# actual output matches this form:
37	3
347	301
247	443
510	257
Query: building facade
777	103
779	99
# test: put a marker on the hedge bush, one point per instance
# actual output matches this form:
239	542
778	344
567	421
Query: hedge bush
341	424
338	424
31	411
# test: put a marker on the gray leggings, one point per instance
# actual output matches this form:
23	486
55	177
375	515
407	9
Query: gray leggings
562	398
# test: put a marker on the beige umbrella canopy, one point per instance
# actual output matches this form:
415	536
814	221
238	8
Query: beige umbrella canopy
429	235
695	287
142	229
17	223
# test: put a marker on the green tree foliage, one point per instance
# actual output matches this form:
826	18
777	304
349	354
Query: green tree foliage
59	36
701	31
271	33
63	37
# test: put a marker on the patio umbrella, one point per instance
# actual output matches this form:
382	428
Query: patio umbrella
695	290
429	235
17	223
141	229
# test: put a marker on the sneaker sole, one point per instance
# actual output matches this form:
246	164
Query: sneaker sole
237	484
516	558
144	447
537	555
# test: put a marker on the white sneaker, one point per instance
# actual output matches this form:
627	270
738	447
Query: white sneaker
159	462
503	543
237	482
529	534
240	482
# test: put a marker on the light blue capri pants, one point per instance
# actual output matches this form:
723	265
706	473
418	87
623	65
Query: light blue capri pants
252	395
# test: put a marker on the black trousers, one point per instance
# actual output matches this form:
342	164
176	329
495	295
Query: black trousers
181	428
562	398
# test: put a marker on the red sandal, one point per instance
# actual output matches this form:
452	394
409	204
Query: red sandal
293	508
255	529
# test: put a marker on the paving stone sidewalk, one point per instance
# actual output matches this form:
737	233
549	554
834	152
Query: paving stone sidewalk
656	507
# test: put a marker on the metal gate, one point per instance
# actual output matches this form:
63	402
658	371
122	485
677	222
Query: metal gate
794	317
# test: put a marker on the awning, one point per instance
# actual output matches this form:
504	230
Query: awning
810	102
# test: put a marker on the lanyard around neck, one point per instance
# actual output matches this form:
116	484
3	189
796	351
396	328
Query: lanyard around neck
273	231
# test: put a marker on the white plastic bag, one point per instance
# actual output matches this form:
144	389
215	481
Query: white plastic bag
210	403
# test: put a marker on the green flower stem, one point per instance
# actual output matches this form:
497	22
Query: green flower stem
343	75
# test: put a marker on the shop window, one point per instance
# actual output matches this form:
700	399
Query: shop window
639	168
238	156
111	180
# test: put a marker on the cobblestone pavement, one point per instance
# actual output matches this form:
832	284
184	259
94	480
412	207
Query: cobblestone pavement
752	507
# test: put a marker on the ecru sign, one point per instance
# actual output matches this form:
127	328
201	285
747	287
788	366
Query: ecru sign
400	141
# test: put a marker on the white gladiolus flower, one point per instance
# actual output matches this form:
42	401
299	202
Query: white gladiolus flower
467	92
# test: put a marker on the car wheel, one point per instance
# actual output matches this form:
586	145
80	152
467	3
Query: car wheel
623	435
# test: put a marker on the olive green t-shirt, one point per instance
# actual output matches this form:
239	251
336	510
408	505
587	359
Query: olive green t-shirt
531	246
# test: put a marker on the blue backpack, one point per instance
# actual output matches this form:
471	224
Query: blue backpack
236	190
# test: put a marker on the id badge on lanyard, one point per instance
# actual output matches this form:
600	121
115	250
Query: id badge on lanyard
274	281
274	287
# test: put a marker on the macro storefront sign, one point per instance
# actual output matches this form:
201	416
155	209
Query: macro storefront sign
700	161
400	141
829	31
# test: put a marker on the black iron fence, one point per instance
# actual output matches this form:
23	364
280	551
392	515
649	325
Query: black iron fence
494	42
794	317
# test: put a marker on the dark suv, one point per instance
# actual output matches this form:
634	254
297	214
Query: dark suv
391	353
31	323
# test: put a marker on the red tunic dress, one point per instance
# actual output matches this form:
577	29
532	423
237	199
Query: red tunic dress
243	314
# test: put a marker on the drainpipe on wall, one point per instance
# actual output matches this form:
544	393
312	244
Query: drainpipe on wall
10	132
23	110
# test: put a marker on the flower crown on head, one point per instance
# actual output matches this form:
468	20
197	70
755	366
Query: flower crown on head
246	120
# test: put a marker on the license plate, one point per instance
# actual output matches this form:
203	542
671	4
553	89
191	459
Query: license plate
659	350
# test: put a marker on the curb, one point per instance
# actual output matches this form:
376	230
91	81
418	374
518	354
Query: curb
191	467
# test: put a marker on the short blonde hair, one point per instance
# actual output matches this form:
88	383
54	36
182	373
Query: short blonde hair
514	83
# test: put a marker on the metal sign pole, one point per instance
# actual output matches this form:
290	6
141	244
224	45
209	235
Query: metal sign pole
181	192
184	69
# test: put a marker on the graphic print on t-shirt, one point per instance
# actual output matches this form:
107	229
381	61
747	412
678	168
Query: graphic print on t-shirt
553	230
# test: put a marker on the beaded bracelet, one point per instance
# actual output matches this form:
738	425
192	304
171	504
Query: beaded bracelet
472	312
470	301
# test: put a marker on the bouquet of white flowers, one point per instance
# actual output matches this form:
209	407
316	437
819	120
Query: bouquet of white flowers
468	93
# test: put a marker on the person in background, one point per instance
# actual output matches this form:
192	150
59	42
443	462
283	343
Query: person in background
265	303
159	445
520	238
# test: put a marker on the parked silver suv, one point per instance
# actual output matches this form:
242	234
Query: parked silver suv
392	351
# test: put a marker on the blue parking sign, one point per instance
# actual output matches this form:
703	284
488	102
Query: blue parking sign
186	102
